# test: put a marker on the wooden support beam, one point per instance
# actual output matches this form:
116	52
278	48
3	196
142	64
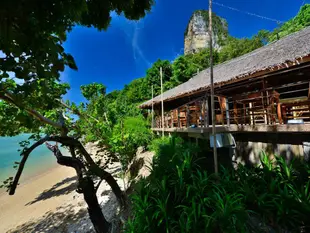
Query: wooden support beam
251	113
207	121
268	109
178	111
227	113
244	114
236	113
263	104
187	116
201	113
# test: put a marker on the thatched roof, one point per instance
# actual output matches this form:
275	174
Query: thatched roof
274	56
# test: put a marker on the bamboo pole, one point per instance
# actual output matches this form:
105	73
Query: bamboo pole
162	102
212	90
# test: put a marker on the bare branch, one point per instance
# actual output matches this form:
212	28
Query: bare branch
64	140
77	112
21	166
66	160
72	151
99	183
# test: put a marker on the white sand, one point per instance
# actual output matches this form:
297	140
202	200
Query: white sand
38	195
49	203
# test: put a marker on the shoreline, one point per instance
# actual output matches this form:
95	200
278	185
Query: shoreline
24	180
33	171
36	196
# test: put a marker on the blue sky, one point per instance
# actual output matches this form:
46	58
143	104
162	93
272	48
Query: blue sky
127	49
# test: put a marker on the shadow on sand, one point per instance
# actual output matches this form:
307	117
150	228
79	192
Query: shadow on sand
62	220
69	186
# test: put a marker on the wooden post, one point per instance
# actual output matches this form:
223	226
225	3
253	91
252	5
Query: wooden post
264	110
244	114
187	116
251	114
227	113
268	108
207	112
152	107
201	113
212	89
162	101
236	113
179	118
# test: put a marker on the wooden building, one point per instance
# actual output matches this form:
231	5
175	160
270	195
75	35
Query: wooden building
265	91
268	86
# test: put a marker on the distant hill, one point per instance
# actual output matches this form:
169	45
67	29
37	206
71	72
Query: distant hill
197	34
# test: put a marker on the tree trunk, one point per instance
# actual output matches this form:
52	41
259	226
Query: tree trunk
93	167
101	225
85	186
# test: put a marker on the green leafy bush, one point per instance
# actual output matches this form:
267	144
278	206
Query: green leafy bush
127	136
180	196
157	143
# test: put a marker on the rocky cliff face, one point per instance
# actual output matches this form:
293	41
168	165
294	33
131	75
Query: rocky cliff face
197	35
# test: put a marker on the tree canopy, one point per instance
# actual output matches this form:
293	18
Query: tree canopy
31	60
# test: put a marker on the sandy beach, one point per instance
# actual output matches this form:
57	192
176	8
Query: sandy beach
49	203
38	195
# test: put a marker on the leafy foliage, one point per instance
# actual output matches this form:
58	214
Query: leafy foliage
127	136
180	196
32	53
300	21
93	90
238	47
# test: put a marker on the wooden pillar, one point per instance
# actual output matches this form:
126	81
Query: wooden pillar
207	122
201	112
264	110
227	112
279	112
236	113
187	116
244	114
178	117
268	108
251	114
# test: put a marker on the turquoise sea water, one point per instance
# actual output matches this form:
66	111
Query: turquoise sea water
40	160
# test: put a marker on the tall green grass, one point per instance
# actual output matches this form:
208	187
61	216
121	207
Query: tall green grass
181	196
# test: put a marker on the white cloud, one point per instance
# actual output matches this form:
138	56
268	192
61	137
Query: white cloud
137	51
133	31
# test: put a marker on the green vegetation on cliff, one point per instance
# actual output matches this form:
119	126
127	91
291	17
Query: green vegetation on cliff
300	21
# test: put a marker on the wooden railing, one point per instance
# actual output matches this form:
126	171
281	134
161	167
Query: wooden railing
256	108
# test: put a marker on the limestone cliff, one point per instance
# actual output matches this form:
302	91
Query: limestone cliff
197	35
